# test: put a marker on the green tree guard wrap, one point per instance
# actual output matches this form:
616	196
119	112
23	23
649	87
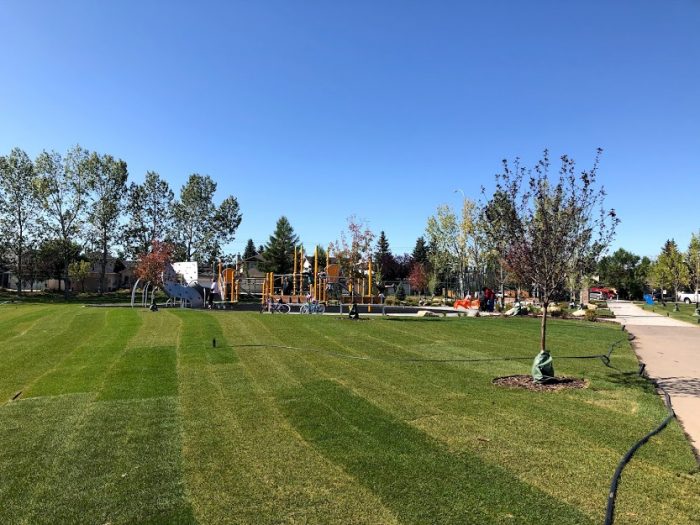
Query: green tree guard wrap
542	367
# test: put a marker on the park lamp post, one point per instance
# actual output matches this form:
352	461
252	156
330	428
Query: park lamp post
461	262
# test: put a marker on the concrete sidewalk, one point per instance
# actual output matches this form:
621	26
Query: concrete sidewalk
670	349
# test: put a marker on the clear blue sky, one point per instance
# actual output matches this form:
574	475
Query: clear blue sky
318	110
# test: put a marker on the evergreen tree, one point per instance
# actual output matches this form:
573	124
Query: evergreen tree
384	260
249	250
382	247
420	252
278	254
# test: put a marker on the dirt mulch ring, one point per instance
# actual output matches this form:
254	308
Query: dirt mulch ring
526	382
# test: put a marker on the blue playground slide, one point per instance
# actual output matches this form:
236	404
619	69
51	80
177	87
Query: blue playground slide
649	299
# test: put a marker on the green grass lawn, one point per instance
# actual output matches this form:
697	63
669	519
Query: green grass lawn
685	311
131	416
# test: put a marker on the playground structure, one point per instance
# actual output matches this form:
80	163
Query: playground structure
324	285
187	293
180	282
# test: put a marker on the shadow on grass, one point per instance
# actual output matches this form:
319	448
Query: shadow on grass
413	474
632	380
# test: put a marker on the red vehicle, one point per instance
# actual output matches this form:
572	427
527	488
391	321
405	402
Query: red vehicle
601	292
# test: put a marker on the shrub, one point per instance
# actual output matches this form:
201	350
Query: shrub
400	293
591	315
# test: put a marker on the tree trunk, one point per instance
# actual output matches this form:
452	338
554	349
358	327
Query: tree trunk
543	330
103	268
19	271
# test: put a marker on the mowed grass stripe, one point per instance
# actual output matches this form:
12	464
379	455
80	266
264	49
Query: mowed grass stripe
45	346
85	368
16	321
487	420
415	475
275	367
247	465
118	461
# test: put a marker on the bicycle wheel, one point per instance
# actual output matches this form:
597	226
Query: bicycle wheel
304	309
320	309
285	308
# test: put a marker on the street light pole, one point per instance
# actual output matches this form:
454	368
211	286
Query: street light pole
461	259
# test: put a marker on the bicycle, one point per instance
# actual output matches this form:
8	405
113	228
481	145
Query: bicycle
280	308
312	308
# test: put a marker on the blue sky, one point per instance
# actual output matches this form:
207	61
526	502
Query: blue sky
319	110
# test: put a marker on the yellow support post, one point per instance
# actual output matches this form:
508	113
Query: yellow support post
316	272
294	273
301	270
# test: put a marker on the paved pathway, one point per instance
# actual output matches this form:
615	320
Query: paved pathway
671	351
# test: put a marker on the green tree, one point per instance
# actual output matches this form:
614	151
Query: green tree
692	259
278	254
250	250
149	214
18	208
420	251
384	261
621	271
441	231
78	272
559	224
63	187
54	257
201	228
108	184
670	269
354	249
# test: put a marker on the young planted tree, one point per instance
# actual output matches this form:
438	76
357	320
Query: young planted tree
18	208
670	269
63	187
278	255
149	214
558	223
201	228
108	184
353	249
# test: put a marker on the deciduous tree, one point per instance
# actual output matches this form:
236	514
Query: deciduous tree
149	214
200	226
108	184
353	248
692	259
559	223
151	265
670	270
18	208
63	187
